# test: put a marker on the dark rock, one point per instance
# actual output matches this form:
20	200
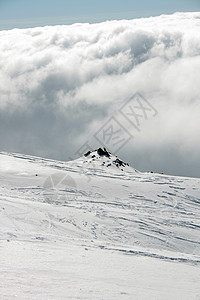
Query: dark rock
103	152
119	162
88	153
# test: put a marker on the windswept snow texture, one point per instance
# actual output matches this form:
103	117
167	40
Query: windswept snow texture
59	84
89	230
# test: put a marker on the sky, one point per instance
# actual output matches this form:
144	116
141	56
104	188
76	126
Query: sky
62	88
32	13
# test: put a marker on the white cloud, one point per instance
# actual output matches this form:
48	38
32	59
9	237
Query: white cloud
58	82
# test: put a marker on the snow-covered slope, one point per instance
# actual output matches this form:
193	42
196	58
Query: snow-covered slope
65	227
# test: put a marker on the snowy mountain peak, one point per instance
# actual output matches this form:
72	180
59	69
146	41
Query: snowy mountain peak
102	157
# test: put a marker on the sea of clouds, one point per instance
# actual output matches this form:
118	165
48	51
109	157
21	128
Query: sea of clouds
60	84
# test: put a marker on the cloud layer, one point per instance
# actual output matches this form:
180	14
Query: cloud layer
60	84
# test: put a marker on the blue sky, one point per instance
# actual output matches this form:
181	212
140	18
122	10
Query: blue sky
23	13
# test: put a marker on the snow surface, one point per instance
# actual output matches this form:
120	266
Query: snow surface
95	229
